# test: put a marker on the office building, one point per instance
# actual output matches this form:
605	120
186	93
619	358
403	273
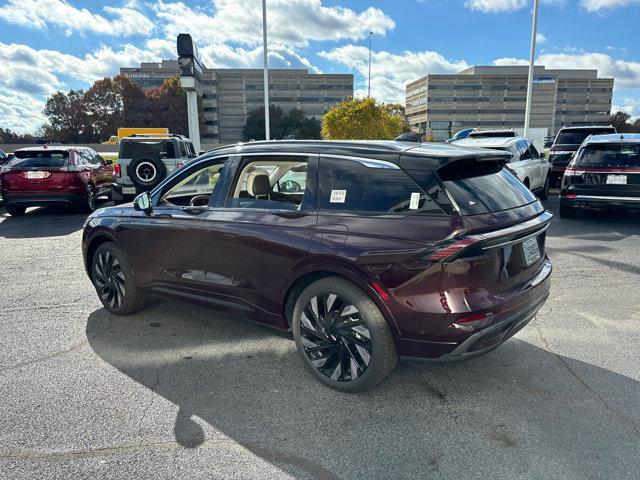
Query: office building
495	97
228	95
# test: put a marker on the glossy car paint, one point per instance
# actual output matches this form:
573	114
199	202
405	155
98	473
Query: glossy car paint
248	263
588	187
62	186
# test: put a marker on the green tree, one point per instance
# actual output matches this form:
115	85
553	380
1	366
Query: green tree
622	122
69	120
291	124
360	119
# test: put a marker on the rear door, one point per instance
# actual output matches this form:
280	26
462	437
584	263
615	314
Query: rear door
257	236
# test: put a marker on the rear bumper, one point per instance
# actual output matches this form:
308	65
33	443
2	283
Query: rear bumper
601	202
41	199
505	324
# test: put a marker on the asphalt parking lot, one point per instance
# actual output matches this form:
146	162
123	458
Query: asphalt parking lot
177	391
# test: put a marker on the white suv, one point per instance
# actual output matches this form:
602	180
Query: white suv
145	160
526	162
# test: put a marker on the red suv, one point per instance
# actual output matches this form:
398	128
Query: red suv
54	176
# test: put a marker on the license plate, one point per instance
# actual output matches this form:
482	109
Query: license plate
617	179
531	251
128	190
37	175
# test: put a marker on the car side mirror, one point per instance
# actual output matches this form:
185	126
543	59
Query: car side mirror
107	161
142	202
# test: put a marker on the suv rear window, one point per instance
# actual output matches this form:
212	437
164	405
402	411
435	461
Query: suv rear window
608	155
162	149
577	136
505	134
351	186
484	187
31	159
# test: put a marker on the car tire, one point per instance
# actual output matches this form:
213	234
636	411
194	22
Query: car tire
342	337
147	172
113	280
88	205
567	211
14	210
544	193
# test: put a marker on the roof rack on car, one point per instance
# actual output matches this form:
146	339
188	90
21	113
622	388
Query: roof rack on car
156	135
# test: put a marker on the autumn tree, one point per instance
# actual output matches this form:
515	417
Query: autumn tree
623	123
360	119
69	120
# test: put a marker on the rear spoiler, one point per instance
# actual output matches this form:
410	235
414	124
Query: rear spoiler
410	160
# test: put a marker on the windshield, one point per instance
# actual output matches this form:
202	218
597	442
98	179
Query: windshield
576	137
485	188
31	159
609	155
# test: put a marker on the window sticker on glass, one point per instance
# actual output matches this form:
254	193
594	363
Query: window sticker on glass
338	196
414	202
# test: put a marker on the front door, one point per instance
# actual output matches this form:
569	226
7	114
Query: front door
166	246
260	233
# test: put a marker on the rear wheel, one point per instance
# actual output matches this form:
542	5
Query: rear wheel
544	193
89	203
113	280
15	211
567	211
342	337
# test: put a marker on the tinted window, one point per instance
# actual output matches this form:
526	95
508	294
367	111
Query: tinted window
183	150
524	149
163	149
40	159
576	137
609	155
479	188
534	151
350	186
505	134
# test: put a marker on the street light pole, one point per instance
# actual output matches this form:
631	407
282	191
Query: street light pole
266	71
534	28
369	83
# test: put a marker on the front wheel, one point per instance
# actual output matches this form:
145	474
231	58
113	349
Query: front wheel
89	203
113	280
342	337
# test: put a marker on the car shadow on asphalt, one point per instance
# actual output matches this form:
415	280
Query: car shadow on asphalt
426	420
43	222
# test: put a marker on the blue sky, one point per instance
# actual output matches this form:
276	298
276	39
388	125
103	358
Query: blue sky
49	45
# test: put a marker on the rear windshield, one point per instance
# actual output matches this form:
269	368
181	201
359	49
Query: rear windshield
157	149
491	134
478	188
609	156
48	159
576	137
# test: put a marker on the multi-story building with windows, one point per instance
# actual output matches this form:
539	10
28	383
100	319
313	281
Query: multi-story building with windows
495	97
228	95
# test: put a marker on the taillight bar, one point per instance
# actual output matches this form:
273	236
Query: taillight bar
116	170
580	171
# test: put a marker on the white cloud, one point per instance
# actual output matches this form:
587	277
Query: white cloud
488	6
290	22
391	72
540	38
600	5
40	14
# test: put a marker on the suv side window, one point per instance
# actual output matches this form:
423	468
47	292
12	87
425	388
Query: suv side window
370	186
273	184
534	151
524	148
183	150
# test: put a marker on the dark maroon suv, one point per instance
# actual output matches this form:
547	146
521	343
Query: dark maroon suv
365	250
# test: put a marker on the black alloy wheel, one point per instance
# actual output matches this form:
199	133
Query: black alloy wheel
147	172
335	338
91	200
109	280
113	280
342	336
